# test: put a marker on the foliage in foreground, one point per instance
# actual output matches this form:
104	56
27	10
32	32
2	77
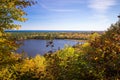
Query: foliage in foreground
98	59
10	11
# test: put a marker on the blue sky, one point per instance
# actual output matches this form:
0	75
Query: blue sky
72	15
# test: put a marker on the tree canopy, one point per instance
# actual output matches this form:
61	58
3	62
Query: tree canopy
11	11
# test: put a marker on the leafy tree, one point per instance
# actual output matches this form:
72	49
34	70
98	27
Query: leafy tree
106	55
10	11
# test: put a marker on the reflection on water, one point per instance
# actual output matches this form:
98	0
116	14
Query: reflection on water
50	43
33	47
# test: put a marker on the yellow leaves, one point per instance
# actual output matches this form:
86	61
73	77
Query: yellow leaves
12	10
66	52
25	66
39	60
86	48
96	58
86	45
107	42
37	63
15	56
1	34
4	6
18	27
70	51
11	4
2	40
3	72
94	36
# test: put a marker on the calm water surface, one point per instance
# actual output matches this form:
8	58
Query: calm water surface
33	47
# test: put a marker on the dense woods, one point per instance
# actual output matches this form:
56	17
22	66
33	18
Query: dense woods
97	59
51	35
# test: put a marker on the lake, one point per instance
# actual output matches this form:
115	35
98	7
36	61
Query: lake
33	47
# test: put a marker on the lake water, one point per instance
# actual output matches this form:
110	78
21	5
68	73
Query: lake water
33	47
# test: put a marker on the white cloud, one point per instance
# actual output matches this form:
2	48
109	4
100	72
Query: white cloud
101	9
101	5
60	5
63	10
63	1
57	10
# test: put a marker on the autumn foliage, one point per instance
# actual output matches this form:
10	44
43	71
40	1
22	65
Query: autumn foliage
97	59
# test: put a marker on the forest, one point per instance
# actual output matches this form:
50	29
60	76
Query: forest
52	35
97	59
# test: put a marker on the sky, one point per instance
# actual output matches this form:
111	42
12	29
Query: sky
83	15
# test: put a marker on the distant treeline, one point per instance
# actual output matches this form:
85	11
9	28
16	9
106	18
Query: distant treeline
51	35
